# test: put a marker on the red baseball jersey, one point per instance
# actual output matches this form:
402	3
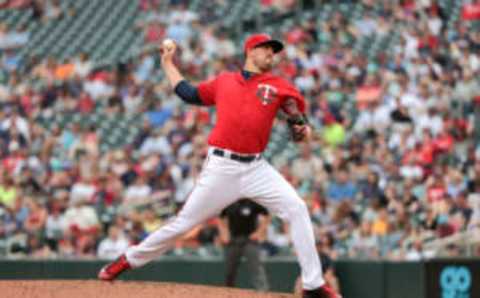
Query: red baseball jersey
246	108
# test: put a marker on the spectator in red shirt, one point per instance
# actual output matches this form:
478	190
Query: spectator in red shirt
444	142
85	104
436	188
37	216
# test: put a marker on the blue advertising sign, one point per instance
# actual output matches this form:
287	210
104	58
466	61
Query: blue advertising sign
453	278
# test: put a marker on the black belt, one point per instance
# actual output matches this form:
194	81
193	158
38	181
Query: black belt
236	157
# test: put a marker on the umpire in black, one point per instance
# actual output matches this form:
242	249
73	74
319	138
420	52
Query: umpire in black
243	227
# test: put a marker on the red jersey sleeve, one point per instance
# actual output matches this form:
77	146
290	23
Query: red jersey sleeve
207	90
290	92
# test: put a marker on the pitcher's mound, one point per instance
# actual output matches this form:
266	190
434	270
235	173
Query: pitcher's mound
121	289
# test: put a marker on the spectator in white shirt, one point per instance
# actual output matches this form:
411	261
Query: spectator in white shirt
82	190
375	117
133	100
113	246
55	225
157	143
305	82
18	121
366	26
226	47
137	193
416	252
432	121
81	218
434	22
83	66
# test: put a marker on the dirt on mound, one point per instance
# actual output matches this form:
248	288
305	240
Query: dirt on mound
121	289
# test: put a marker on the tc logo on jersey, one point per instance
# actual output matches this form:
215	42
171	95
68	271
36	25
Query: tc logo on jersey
266	93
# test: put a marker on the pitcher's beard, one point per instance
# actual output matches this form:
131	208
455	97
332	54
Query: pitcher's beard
267	66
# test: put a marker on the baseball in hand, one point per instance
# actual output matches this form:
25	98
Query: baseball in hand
168	44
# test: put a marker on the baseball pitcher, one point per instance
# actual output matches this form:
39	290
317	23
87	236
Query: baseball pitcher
247	102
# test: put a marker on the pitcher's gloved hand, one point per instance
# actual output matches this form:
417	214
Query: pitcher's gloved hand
299	129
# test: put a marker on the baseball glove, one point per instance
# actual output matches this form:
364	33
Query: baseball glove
297	127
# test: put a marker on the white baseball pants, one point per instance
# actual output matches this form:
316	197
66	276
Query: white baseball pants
222	182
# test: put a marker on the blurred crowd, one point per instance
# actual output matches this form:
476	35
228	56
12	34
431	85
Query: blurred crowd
395	161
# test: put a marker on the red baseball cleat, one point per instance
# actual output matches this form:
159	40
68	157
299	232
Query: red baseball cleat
114	269
322	292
